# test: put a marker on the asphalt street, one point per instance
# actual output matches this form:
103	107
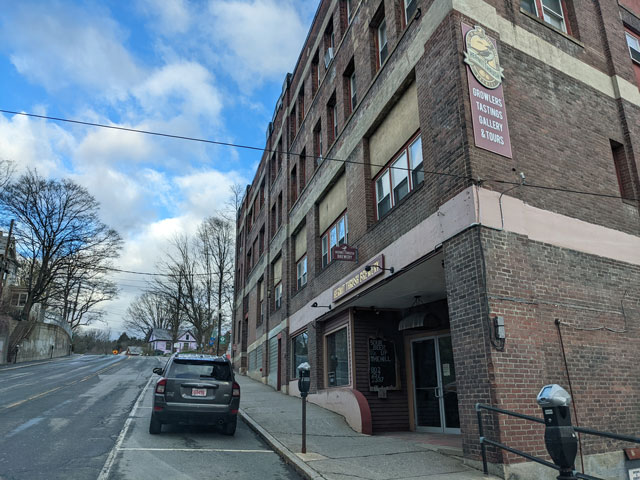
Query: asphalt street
87	417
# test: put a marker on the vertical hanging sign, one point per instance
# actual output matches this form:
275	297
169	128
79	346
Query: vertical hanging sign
484	74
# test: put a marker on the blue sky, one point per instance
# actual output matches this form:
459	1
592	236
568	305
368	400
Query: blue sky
202	69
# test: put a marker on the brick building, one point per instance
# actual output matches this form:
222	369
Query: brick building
482	157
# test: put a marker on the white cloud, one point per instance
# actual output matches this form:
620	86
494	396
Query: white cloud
69	46
188	84
169	16
256	40
205	193
35	144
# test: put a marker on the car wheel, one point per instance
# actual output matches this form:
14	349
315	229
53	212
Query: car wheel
155	426
230	427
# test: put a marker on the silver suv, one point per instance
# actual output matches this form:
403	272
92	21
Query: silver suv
196	390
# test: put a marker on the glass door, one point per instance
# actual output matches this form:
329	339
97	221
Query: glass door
434	384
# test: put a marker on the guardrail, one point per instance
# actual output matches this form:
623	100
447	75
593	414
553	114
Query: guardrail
588	431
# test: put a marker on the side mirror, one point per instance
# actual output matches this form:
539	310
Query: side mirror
157	370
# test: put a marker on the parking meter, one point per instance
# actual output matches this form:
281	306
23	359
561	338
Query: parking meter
304	379
559	436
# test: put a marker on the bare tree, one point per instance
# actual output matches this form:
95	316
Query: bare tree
218	238
169	287
56	223
148	311
7	170
197	285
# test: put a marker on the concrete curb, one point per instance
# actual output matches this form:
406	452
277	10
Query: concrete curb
287	455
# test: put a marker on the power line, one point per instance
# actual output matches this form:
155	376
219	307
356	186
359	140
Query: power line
262	149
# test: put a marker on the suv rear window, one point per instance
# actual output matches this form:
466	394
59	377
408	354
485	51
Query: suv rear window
183	368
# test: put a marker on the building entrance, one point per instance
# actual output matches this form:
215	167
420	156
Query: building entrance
434	385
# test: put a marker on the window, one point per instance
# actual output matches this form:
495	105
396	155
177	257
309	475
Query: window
317	144
185	345
349	89
299	352
293	188
301	104
302	272
273	220
383	50
335	235
394	182
337	358
409	10
261	242
329	44
19	299
167	346
279	209
186	337
278	295
550	11
273	167
634	47
303	165
315	74
623	172
353	91
350	11
260	302
332	120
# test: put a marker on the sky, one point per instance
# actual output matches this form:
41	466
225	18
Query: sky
206	69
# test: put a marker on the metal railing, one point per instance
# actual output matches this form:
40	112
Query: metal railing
484	440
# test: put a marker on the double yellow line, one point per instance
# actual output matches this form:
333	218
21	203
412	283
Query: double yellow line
12	405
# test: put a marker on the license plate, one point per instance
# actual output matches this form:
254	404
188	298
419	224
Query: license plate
198	392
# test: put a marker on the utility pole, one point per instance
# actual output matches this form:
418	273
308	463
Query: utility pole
4	260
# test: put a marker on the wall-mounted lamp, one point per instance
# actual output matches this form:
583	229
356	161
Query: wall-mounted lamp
368	268
315	305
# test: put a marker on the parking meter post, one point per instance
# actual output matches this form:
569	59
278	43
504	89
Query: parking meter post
559	436
304	424
304	383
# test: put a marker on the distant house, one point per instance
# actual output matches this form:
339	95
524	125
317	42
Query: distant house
133	350
160	340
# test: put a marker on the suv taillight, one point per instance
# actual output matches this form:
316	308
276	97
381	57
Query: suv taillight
236	390
160	385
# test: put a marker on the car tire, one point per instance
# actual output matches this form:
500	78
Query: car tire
229	428
155	426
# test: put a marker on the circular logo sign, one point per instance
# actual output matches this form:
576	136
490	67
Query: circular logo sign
482	58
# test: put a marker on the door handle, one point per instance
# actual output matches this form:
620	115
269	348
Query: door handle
438	392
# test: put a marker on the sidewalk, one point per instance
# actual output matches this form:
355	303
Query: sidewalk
336	452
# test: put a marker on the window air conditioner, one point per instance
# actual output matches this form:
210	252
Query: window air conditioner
328	56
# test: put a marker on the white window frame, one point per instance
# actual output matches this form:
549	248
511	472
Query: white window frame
331	237
335	121
386	176
22	299
349	12
380	33
278	295
549	13
301	272
407	3
632	39
352	88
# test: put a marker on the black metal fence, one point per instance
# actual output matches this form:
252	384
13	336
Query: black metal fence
484	441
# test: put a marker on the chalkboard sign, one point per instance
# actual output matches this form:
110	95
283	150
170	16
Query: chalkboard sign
382	364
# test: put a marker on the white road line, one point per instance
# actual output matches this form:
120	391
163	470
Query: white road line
106	469
142	449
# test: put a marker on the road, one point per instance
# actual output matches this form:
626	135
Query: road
87	417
